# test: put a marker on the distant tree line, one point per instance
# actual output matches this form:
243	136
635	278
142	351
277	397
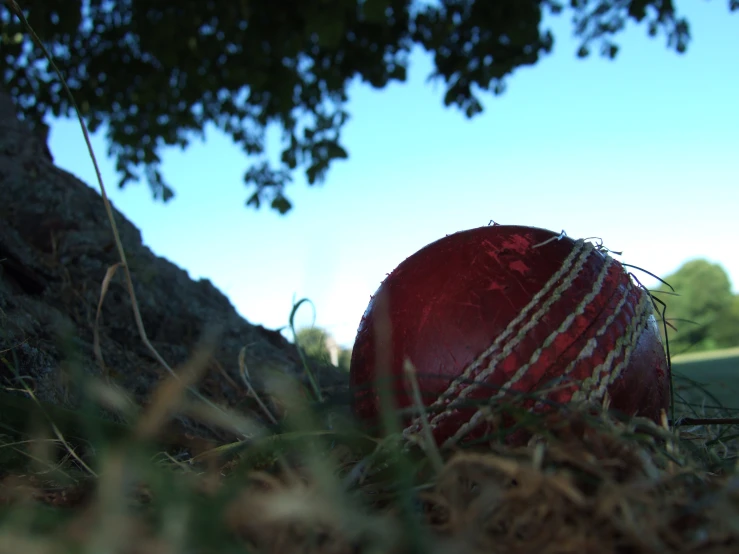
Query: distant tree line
703	313
319	346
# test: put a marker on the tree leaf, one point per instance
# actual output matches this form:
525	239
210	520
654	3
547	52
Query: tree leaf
156	74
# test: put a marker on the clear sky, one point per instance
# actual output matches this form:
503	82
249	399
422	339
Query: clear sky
642	151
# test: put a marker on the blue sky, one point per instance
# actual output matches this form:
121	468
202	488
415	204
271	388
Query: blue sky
642	151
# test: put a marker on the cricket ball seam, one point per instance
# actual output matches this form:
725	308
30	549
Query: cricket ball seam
475	419
567	273
611	374
567	266
602	376
627	343
592	343
490	369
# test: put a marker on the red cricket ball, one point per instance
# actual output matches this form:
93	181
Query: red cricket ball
503	309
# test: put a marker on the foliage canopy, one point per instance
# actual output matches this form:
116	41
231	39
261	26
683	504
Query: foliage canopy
158	73
706	312
315	343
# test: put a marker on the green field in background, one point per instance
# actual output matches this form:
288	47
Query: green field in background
706	382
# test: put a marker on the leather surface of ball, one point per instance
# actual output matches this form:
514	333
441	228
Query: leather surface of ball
508	309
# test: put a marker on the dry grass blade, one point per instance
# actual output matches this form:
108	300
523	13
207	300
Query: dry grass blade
597	491
106	202
290	514
169	393
428	443
246	378
109	274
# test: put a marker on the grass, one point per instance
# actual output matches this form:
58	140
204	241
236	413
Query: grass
708	381
706	388
317	483
588	481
